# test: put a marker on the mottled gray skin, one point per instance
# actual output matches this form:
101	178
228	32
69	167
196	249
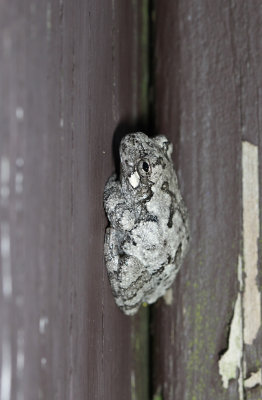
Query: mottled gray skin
148	234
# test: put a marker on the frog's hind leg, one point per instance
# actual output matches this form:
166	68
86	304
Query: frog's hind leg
133	280
111	252
129	279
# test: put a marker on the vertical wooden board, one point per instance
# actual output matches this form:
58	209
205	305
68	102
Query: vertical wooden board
203	94
71	73
249	60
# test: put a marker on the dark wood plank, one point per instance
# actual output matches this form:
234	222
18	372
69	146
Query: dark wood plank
70	74
207	100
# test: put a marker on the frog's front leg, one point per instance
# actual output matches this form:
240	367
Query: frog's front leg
119	213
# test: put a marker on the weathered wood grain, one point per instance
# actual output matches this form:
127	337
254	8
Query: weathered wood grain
208	58
74	78
70	74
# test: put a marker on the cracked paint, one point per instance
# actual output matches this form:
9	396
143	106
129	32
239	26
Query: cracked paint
230	364
247	311
254	380
250	187
168	297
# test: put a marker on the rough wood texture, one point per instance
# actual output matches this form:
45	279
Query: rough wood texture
70	73
73	79
208	78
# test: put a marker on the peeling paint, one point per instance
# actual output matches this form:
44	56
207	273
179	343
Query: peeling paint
20	356
6	369
43	362
168	297
247	312
254	380
19	112
5	253
43	323
48	18
230	364
5	178
250	187
19	162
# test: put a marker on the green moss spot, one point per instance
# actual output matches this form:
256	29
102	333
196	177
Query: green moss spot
157	397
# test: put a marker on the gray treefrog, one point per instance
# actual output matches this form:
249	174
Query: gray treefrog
148	233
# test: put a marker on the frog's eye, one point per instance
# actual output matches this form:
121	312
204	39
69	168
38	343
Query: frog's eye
143	167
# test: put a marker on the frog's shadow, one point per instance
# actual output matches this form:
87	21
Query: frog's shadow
124	128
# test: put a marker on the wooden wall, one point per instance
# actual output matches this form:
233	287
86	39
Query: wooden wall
74	77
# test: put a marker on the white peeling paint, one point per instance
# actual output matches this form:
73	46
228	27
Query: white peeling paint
247	312
6	370
4	178
250	187
168	297
134	179
6	260
230	364
48	17
19	112
20	356
19	162
254	380
5	191
43	361
20	360
20	363
43	323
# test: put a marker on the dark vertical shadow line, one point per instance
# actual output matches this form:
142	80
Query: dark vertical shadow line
151	66
152	128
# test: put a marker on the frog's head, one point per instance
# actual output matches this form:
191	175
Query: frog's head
144	162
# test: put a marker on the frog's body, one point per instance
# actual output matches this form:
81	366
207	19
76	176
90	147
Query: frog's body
148	234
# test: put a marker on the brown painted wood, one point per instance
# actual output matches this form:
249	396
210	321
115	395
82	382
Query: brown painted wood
73	79
71	73
208	58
